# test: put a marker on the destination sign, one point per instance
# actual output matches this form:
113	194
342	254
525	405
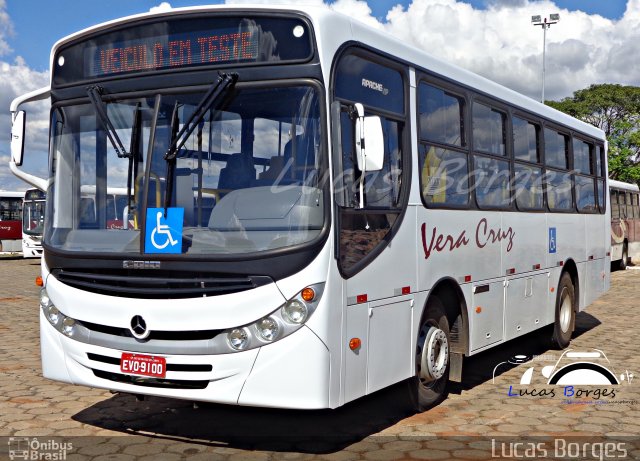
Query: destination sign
181	50
183	42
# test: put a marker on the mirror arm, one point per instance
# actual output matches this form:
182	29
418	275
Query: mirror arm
359	109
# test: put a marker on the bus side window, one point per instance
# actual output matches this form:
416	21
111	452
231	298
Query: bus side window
585	194
559	193
615	208
444	178
489	130
602	206
556	149
443	157
528	187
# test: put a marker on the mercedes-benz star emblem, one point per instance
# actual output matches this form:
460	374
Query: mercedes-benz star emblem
139	327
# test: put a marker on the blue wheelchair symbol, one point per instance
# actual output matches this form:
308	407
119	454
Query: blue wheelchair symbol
552	240
164	235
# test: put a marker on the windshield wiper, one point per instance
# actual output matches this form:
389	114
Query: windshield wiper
135	158
95	96
179	138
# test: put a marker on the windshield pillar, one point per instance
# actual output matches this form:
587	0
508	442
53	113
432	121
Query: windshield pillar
101	179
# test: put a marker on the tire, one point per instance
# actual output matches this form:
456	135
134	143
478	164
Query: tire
429	385
625	258
565	318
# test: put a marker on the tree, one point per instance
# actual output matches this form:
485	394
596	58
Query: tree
615	109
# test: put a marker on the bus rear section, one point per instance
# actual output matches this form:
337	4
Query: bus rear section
625	224
11	221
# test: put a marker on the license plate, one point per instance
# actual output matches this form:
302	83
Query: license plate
143	365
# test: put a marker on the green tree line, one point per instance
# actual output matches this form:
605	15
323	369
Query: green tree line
615	109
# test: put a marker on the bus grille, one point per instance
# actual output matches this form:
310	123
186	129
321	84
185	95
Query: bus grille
187	335
157	285
151	382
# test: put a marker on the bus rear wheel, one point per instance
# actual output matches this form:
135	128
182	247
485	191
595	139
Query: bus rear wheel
429	385
565	318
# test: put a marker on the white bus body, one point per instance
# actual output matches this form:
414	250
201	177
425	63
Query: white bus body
332	283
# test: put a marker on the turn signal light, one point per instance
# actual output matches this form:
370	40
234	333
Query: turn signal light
39	281
308	294
355	343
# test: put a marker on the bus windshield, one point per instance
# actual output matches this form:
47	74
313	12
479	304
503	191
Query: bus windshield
33	217
246	179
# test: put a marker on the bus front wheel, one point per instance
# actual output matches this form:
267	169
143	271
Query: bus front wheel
429	385
565	318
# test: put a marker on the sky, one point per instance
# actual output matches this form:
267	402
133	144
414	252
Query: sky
596	41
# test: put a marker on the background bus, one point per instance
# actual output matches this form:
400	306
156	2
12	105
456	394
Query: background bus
33	210
11	221
114	208
270	262
625	223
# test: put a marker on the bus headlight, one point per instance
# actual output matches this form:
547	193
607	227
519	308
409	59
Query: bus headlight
238	338
268	328
53	314
295	311
288	318
68	326
62	323
45	301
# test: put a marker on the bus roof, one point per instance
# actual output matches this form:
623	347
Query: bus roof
343	29
613	184
11	194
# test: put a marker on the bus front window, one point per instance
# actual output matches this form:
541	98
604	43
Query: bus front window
246	179
33	217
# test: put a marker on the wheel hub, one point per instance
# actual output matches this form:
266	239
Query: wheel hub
565	311
435	355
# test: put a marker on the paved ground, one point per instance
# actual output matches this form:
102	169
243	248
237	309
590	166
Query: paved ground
479	420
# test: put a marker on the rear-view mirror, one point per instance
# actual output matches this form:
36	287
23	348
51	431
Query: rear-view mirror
17	137
369	143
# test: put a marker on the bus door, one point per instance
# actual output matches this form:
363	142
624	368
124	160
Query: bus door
375	254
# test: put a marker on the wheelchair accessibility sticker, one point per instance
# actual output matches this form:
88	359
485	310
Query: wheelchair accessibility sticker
164	234
552	240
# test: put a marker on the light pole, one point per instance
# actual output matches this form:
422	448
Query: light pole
536	21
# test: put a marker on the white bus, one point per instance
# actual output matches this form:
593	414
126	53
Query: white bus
373	214
33	208
625	223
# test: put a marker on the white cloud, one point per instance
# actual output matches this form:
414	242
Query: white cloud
6	28
501	44
164	6
15	79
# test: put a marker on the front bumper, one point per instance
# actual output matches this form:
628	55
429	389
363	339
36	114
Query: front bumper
293	372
